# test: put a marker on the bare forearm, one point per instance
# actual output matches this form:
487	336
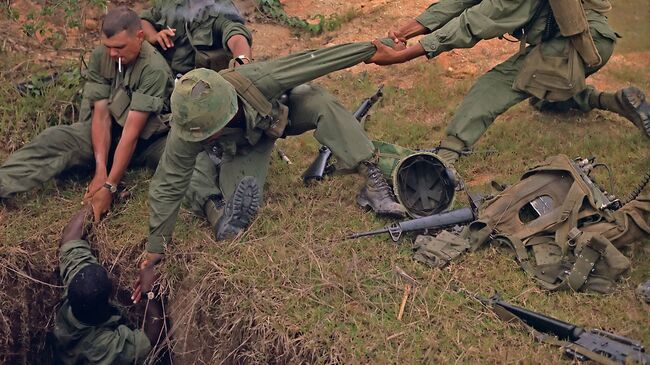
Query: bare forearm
149	31
238	45
122	159
412	29
101	135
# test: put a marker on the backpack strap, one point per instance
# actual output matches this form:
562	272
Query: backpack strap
248	91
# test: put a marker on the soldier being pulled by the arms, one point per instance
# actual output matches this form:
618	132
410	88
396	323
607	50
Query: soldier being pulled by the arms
241	112
568	40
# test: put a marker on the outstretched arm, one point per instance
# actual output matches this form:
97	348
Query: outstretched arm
100	134
135	122
388	56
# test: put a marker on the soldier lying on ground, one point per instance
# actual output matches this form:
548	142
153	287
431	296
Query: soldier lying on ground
88	329
197	33
123	119
551	70
240	113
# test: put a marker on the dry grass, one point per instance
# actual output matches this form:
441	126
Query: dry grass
291	290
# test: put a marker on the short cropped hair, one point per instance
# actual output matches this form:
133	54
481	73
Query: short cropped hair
88	294
120	19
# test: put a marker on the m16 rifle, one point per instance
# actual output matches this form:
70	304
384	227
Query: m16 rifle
578	343
320	167
432	222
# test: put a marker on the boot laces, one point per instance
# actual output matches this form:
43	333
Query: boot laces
379	183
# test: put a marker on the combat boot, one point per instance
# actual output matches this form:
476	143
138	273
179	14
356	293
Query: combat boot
629	102
239	210
213	209
376	194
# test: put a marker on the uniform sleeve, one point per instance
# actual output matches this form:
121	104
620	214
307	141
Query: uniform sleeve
73	256
152	15
229	26
120	346
153	90
295	69
438	14
488	19
168	187
97	87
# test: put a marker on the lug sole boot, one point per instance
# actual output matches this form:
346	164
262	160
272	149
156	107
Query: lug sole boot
377	195
239	210
636	108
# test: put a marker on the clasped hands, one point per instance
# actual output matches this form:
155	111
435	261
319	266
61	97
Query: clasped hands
97	196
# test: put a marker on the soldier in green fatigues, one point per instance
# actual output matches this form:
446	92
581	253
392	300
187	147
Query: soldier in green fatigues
240	112
125	108
88	329
544	70
197	33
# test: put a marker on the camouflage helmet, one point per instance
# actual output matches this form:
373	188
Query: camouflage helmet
202	103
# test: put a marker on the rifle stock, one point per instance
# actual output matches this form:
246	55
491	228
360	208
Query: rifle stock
319	166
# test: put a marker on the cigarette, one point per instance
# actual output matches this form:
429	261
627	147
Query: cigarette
119	64
168	27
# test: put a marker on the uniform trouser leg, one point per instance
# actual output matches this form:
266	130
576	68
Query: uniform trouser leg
52	152
311	107
203	184
580	101
254	162
492	94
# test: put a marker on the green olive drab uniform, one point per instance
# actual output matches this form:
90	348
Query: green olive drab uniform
462	24
200	39
246	150
144	86
111	342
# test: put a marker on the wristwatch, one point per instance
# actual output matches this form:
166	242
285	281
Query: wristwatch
240	59
112	188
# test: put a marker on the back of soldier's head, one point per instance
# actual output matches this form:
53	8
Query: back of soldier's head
88	294
120	19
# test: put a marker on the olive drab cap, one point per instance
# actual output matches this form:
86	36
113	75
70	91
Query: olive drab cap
202	103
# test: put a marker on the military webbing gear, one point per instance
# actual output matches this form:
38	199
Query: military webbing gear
203	103
376	193
629	102
438	250
200	37
277	114
572	21
553	221
143	86
423	184
240	209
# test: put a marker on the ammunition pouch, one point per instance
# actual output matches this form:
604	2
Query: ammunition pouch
552	221
214	59
572	21
552	78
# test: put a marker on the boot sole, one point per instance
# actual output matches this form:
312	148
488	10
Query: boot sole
240	209
634	99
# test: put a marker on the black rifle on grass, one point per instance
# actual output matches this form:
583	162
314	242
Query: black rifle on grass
319	167
432	222
577	342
